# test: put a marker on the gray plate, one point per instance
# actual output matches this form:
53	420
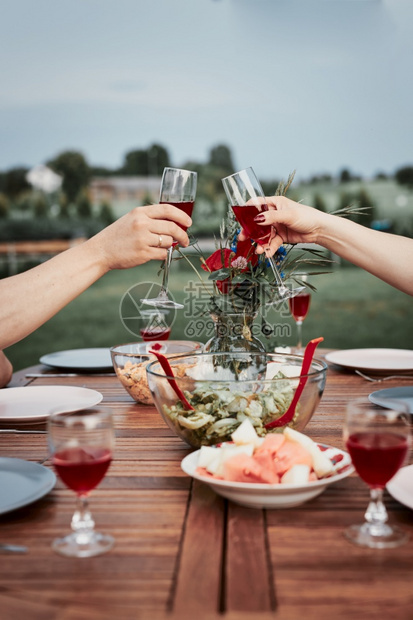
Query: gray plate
394	398
79	359
22	483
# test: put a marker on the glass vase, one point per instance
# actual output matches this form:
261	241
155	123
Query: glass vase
234	333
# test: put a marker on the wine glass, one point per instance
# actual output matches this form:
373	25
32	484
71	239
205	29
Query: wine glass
178	188
81	445
299	307
247	199
155	325
378	442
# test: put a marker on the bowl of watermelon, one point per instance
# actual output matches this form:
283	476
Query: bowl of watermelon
281	470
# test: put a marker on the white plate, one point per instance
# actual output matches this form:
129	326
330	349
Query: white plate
22	483
80	359
35	403
399	398
373	359
257	495
401	486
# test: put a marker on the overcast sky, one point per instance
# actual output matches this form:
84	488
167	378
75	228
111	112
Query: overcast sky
312	85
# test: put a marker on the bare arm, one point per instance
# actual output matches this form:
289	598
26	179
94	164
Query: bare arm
6	370
389	257
31	298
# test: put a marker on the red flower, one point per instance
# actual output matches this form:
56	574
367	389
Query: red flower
214	262
223	258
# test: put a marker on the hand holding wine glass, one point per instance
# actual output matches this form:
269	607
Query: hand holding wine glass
378	442
247	199
81	444
178	188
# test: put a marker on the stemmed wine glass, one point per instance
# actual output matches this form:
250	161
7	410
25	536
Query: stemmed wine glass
178	188
81	444
247	199
378	441
299	307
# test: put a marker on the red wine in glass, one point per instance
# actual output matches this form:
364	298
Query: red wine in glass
247	199
81	443
300	305
82	469
377	456
187	207
378	441
160	333
245	215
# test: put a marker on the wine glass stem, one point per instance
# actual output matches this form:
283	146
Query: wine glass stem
82	521
376	513
276	273
165	278
299	335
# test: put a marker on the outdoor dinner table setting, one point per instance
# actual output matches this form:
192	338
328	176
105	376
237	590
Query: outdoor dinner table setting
172	537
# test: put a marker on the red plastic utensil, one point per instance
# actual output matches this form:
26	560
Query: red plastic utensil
308	358
169	373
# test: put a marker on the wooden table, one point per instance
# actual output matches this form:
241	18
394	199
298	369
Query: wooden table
183	552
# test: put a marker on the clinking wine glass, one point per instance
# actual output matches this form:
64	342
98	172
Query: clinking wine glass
299	307
178	188
81	444
378	442
247	199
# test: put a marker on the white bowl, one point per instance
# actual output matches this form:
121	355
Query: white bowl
257	495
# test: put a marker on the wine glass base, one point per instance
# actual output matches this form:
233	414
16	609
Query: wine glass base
388	537
161	302
73	545
282	294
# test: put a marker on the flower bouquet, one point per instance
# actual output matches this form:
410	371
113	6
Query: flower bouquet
240	283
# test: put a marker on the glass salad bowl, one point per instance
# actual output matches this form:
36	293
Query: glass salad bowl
226	388
130	362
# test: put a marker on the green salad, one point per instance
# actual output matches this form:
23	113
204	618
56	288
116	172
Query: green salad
218	411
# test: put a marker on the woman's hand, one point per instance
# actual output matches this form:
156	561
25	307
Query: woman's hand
143	234
291	221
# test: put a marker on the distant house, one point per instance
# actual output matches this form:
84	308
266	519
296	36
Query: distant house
124	190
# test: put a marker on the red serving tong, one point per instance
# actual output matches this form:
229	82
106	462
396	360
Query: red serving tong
308	358
169	374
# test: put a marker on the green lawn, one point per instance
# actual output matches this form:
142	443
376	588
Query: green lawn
350	309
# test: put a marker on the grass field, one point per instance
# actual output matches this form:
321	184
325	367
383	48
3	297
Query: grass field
350	309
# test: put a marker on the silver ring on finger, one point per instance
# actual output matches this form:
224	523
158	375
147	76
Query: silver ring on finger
160	241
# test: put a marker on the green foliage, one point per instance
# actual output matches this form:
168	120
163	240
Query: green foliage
13	182
24	202
106	214
220	157
64	210
367	207
40	206
319	203
40	228
404	176
145	162
75	171
4	206
84	205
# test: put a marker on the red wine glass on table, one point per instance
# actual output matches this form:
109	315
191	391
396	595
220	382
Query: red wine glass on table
247	199
378	442
81	444
178	188
299	307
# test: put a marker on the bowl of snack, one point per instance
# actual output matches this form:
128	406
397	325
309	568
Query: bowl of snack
221	390
281	470
130	361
